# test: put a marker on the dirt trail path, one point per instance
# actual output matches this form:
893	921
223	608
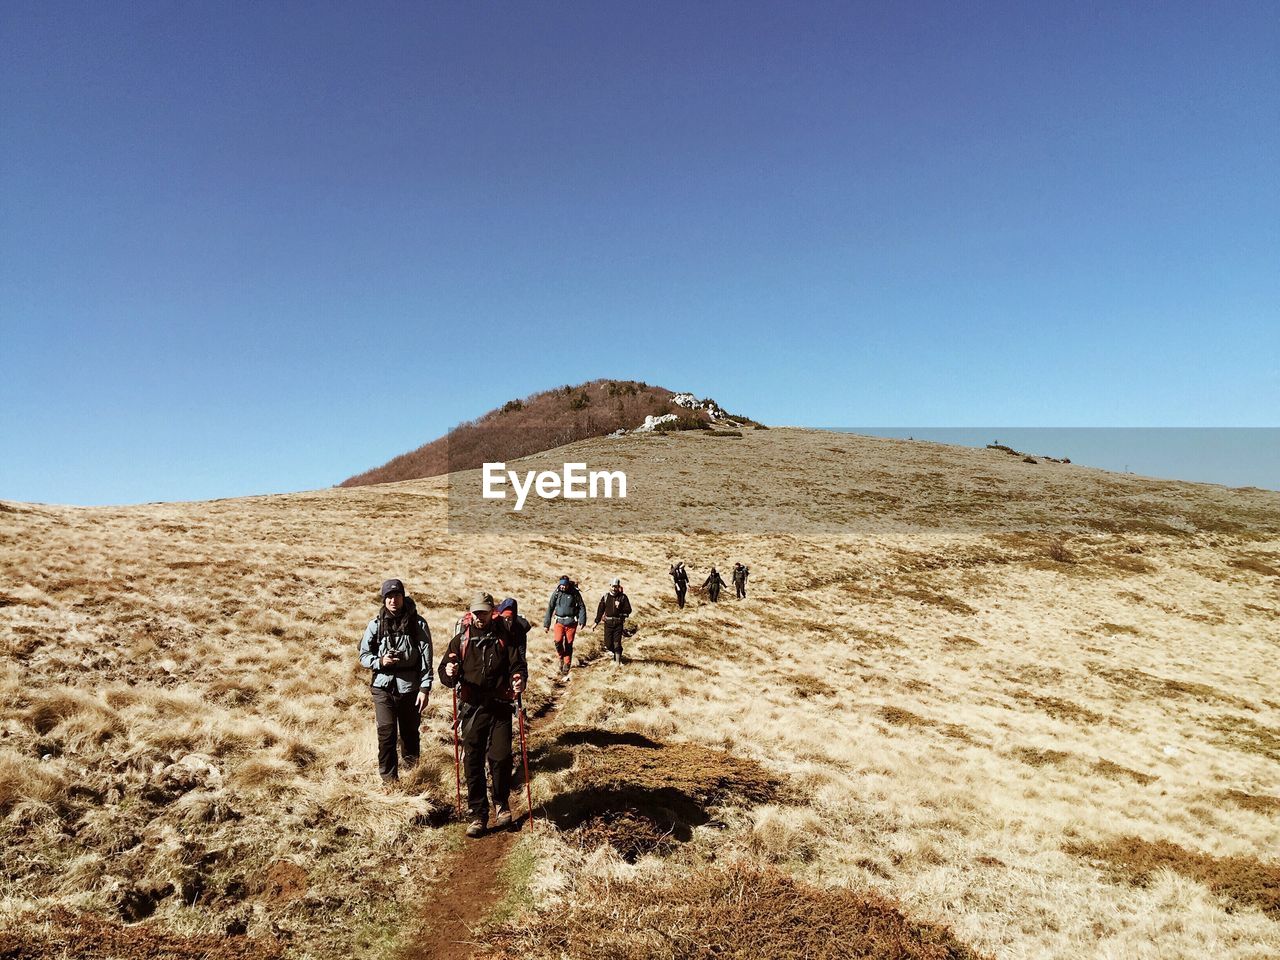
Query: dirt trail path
470	887
466	893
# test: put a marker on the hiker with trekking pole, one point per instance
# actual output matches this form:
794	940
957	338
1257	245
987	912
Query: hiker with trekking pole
487	670
681	579
569	611
396	647
614	608
713	585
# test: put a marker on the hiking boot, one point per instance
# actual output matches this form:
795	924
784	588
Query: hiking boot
476	827
502	819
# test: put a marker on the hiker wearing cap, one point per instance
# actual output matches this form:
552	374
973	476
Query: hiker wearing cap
396	647
489	672
614	608
681	579
740	574
569	611
713	584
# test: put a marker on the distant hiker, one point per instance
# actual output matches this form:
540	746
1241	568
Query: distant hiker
489	671
570	612
681	579
396	646
740	574
713	585
614	608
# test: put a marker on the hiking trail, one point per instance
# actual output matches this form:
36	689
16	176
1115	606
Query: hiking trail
469	887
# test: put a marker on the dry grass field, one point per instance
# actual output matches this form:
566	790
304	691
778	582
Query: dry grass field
970	707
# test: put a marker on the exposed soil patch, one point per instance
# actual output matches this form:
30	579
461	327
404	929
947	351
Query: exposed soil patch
285	881
461	900
641	796
1244	881
735	913
92	938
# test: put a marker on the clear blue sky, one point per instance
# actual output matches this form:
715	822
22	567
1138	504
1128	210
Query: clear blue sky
260	247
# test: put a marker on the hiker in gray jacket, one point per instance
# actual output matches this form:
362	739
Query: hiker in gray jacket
569	610
396	647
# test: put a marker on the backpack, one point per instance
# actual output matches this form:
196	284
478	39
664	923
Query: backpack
463	626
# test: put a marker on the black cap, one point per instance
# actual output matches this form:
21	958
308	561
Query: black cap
391	586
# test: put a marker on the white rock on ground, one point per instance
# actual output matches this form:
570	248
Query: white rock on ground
651	422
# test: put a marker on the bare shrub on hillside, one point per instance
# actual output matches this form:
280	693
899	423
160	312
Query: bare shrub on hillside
526	426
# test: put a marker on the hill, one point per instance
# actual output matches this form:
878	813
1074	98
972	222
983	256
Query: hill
544	420
970	707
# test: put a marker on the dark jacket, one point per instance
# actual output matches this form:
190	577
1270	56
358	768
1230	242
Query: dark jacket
406	635
680	576
740	574
517	626
492	659
613	606
566	606
713	578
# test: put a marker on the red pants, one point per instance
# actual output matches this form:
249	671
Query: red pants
563	635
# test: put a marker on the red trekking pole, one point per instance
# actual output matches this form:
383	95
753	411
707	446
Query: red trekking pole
524	755
457	761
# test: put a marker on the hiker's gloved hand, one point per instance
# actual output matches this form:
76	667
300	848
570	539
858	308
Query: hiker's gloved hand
517	684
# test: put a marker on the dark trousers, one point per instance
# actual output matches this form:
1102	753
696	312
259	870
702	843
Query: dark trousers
741	587
713	592
486	734
680	591
613	635
392	710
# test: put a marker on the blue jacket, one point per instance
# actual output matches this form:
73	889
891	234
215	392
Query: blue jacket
566	606
413	672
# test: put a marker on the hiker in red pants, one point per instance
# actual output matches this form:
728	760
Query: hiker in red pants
569	611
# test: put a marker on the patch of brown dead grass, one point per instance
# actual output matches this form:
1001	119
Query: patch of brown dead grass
1115	771
1245	881
63	933
806	685
734	913
627	780
1257	802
